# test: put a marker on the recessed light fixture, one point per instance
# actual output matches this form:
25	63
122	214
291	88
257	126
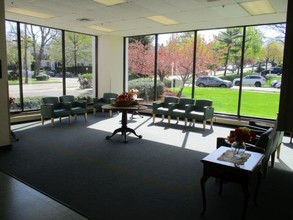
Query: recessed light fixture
100	28
258	7
163	20
110	2
29	13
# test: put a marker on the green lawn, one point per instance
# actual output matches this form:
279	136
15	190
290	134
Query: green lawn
254	103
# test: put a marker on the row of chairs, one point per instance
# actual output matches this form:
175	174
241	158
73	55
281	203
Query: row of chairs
67	105
63	106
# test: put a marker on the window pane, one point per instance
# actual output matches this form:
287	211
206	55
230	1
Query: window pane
13	65
218	54
263	60
175	63
39	64
78	61
141	56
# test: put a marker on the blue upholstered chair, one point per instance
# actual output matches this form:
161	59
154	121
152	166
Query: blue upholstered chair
162	107
52	108
107	98
201	111
179	109
77	106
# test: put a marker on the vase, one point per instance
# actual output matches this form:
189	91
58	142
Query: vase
134	96
238	149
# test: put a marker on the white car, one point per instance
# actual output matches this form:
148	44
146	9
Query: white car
255	80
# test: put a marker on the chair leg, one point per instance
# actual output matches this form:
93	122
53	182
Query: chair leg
204	125
279	150
69	119
42	119
163	117
212	122
52	122
169	118
177	120
185	121
154	118
85	117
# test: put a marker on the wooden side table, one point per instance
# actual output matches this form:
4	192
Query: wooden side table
227	171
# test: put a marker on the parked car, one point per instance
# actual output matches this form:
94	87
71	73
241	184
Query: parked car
255	80
212	81
273	70
276	83
67	74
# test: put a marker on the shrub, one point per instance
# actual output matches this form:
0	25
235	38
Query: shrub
146	87
42	77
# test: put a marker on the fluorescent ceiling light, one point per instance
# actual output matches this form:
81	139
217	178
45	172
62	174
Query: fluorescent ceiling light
163	20
29	13
110	2
258	7
100	28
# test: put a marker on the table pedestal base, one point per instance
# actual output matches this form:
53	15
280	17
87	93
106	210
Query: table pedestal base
124	129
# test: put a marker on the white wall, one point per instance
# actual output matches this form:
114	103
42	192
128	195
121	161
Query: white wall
5	139
110	64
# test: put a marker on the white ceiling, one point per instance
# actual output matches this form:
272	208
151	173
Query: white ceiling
128	19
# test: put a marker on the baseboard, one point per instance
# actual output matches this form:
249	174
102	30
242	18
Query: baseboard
5	148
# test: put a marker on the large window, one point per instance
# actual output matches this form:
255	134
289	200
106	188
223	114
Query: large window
35	64
238	68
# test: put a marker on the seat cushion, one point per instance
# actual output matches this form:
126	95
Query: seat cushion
78	110
196	115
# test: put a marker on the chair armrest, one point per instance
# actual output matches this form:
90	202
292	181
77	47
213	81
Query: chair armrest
47	109
157	104
172	106
188	108
254	148
208	111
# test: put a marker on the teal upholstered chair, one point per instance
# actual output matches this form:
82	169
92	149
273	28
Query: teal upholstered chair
77	106
179	109
162	107
107	98
201	111
52	108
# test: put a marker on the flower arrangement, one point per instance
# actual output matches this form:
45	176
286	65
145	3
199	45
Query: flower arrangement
134	91
241	134
11	101
125	99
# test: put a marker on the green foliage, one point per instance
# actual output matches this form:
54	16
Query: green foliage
88	76
167	83
42	77
146	87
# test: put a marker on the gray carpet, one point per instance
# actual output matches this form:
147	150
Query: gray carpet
142	179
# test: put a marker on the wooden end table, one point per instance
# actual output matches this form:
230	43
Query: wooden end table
227	171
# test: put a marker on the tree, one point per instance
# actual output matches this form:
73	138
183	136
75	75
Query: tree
253	45
181	48
140	59
41	37
273	53
230	40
